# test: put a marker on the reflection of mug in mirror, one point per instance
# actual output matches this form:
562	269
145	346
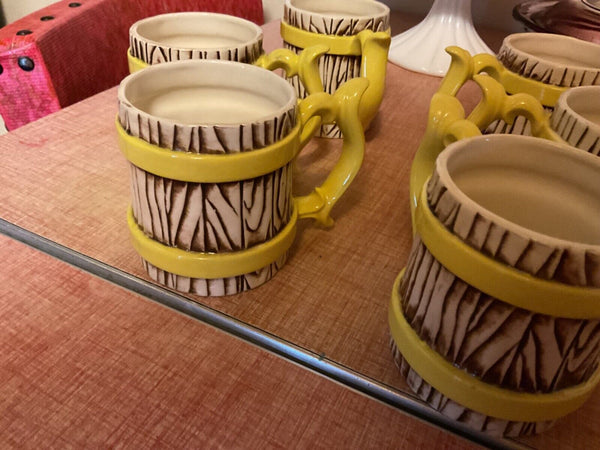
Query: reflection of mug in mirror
211	145
576	118
502	286
310	22
555	61
193	35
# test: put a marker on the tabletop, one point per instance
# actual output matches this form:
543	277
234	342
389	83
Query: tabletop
85	363
65	182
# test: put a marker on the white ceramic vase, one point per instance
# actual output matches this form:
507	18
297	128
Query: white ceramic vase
422	48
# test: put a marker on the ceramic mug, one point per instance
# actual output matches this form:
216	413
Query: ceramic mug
357	35
576	118
211	146
542	65
496	318
193	35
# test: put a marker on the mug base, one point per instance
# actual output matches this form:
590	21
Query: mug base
477	421
217	287
474	420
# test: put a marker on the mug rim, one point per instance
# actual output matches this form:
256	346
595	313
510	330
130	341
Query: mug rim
383	10
257	38
199	64
549	39
441	168
563	104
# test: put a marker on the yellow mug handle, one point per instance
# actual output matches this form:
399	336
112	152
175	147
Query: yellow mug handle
341	107
371	46
447	122
304	64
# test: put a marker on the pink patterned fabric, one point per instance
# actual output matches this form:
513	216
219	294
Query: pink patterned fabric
73	49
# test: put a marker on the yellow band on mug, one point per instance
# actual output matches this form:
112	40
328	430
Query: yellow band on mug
546	94
470	391
211	265
500	280
338	45
134	63
209	168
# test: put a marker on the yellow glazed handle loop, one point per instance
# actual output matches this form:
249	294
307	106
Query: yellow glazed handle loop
470	391
447	123
343	108
500	280
371	46
305	65
211	265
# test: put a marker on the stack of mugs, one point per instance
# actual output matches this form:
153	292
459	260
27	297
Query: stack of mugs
211	136
496	318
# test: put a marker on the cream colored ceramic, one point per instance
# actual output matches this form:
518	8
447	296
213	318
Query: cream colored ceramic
336	18
532	205
552	59
195	35
576	118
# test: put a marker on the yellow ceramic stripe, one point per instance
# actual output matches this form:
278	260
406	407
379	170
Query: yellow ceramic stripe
135	64
547	94
470	391
211	265
208	168
338	45
500	280
513	83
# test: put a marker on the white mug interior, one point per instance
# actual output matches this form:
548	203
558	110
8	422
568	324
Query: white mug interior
538	188
585	104
196	30
207	92
556	49
341	8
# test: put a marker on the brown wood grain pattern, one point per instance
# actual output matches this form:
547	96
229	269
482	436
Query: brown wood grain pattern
70	183
212	218
153	53
492	340
84	363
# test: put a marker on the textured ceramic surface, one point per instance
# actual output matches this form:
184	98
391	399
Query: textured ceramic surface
449	408
529	204
576	118
334	18
206	107
422	48
551	59
195	35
